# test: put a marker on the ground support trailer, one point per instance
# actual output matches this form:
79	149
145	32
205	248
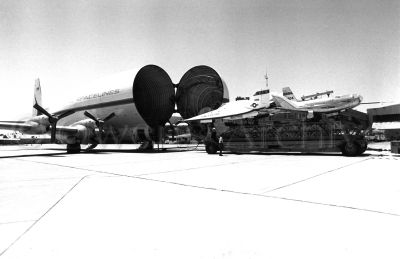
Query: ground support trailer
293	132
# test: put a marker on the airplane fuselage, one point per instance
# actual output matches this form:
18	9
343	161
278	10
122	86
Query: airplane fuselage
127	121
321	105
135	107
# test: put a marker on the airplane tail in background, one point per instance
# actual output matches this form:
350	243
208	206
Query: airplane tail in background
285	103
265	97
287	92
37	97
261	99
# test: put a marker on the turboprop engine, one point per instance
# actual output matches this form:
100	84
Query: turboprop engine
199	90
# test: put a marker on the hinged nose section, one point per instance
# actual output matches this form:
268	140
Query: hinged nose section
154	95
200	89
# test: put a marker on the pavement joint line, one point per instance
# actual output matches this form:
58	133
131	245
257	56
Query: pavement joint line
16	222
43	215
136	162
315	176
266	196
161	172
199	167
333	205
41	179
230	191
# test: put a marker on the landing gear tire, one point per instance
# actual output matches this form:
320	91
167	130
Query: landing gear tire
73	148
351	148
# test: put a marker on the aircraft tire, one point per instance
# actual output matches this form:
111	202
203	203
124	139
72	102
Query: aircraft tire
351	148
73	148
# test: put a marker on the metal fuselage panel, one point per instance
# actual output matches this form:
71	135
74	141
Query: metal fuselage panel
118	101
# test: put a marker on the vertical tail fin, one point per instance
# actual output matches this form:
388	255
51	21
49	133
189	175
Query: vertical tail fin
37	97
287	92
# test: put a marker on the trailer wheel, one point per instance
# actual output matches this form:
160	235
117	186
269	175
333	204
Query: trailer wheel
211	148
351	148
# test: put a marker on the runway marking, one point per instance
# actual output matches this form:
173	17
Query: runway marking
232	191
143	174
200	167
43	215
315	176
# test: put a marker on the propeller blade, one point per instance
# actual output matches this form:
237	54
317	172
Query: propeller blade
91	116
109	117
92	146
52	119
65	114
42	110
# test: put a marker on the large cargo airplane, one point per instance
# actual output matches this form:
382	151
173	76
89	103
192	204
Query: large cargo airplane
129	111
263	102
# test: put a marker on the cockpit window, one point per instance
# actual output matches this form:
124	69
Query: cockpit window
261	92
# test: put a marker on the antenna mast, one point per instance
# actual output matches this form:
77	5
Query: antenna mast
266	77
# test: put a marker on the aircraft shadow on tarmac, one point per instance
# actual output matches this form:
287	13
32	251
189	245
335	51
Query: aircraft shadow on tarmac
176	150
338	154
107	151
287	154
97	152
34	155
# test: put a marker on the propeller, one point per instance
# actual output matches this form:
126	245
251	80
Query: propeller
99	122
53	119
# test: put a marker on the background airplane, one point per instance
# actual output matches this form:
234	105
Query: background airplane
127	112
265	102
313	104
239	109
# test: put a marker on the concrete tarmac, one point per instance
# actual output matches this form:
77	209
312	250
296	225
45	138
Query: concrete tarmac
182	203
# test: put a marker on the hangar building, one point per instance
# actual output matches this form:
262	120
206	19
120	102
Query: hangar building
387	120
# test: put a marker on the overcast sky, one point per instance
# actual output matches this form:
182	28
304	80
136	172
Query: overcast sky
345	46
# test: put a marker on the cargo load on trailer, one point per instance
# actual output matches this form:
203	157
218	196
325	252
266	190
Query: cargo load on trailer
293	132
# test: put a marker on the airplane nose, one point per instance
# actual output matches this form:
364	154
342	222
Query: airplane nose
357	96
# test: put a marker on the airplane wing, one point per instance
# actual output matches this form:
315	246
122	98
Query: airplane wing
27	127
20	126
233	110
68	130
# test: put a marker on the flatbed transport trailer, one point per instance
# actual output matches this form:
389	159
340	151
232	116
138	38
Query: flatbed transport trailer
292	132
